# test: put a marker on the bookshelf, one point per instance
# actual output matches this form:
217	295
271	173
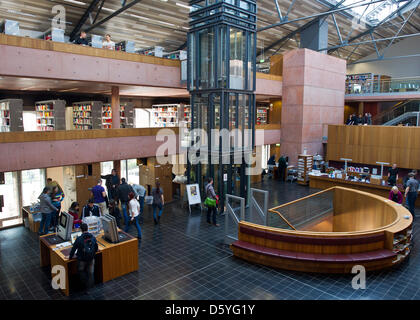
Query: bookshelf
11	118
50	115
126	116
166	115
262	115
304	167
87	115
402	244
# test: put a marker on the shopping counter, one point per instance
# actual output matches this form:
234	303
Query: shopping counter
325	182
329	232
112	259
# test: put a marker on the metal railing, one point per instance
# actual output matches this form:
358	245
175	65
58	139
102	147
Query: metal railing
408	107
299	214
234	214
258	213
366	87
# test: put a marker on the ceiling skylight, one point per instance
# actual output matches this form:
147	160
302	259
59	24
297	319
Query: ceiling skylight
372	13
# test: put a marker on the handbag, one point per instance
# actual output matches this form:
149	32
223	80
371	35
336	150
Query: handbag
210	202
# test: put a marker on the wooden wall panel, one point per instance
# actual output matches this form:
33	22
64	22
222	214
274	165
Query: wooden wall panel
368	144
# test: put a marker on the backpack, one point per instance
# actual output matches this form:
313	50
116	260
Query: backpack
88	250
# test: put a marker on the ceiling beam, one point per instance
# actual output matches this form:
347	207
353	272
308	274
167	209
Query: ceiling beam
371	29
83	19
293	33
116	13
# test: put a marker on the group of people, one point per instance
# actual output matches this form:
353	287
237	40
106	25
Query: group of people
359	120
282	165
50	206
119	192
410	185
107	44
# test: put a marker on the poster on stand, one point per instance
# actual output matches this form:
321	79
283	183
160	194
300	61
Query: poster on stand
193	192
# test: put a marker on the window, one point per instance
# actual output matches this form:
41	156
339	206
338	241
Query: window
130	171
10	193
33	181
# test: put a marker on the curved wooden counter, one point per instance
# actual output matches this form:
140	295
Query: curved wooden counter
367	230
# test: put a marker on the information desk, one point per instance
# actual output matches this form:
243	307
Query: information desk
324	182
111	261
358	228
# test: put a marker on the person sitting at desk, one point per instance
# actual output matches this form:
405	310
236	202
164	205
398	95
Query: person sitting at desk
393	175
74	211
90	209
86	247
396	195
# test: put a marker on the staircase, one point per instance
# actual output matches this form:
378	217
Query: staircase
407	112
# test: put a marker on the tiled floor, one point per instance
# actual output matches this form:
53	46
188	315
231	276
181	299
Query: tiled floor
185	258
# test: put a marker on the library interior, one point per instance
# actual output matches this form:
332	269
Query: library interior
209	149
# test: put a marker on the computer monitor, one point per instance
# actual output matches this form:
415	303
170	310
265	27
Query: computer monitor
65	226
110	228
74	236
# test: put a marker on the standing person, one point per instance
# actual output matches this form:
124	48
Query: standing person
86	247
51	184
211	203
369	118
46	208
134	209
111	182
99	197
393	175
74	211
140	193
158	202
349	120
122	195
115	212
108	44
354	119
360	120
411	193
282	168
57	197
396	195
91	209
82	39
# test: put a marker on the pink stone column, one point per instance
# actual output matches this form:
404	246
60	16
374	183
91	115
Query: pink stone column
313	95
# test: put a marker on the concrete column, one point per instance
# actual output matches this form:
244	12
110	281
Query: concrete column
313	95
115	105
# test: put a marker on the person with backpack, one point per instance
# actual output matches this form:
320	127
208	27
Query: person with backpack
86	247
122	195
211	203
158	202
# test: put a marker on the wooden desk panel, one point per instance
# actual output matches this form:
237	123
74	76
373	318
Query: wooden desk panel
323	182
111	261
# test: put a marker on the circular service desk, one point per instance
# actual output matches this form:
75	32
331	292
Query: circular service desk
329	232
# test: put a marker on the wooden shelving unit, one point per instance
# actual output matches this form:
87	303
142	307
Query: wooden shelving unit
50	115
170	115
262	115
303	168
402	243
126	116
87	115
11	118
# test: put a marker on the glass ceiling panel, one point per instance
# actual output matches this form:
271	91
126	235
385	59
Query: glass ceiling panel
371	13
